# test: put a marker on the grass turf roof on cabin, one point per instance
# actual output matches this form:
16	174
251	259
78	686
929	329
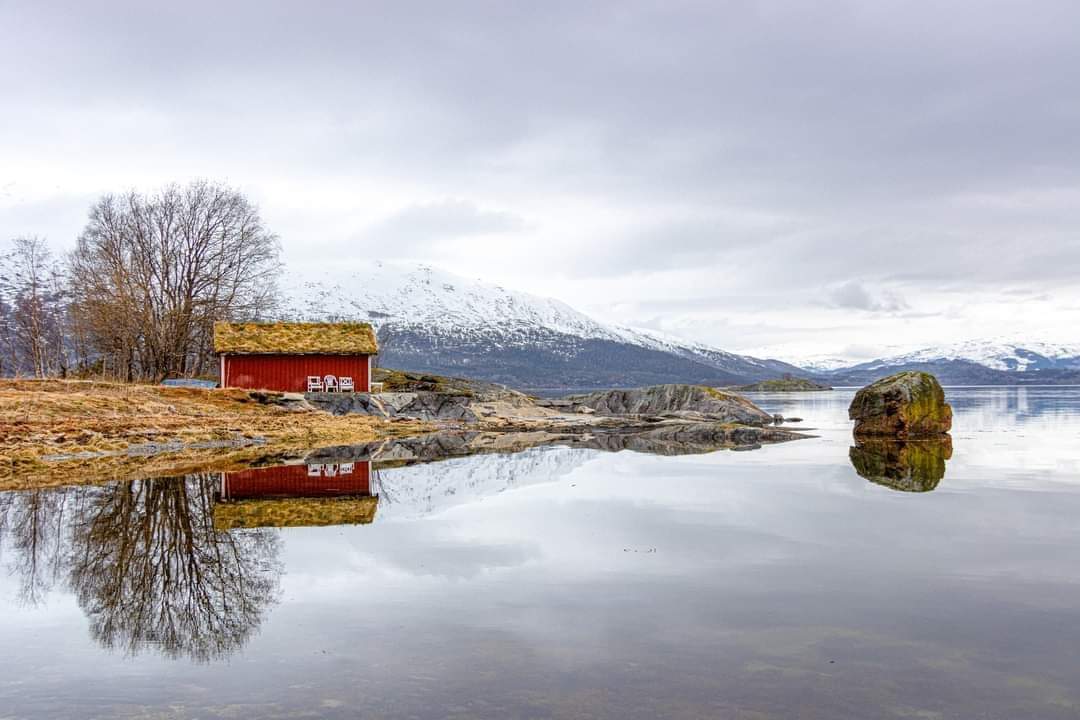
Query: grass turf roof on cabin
283	338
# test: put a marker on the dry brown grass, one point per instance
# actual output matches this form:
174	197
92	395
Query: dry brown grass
39	419
346	338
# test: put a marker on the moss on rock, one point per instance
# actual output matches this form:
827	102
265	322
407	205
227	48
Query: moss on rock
904	405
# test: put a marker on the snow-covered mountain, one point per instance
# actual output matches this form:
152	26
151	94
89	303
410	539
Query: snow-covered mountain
429	320
973	362
997	355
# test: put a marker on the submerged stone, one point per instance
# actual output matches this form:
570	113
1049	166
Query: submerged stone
904	405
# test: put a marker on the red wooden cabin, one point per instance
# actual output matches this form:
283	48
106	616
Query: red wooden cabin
281	356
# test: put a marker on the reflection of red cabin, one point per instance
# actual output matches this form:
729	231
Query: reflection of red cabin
321	480
296	495
281	356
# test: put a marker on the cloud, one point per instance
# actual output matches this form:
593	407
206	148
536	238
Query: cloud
853	295
425	224
668	164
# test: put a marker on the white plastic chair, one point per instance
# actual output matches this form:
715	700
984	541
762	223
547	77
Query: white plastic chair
314	384
314	470
345	384
331	383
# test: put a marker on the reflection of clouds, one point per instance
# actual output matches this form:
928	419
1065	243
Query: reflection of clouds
735	544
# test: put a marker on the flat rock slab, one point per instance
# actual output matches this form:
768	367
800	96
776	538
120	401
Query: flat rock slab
689	401
431	406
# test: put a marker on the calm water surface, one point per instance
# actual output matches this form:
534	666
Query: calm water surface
565	583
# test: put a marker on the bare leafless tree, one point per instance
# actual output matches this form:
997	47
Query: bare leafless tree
33	309
152	273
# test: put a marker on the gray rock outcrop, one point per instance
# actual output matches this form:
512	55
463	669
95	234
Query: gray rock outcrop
430	406
691	402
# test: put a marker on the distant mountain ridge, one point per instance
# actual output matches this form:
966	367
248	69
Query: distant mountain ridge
433	321
429	320
998	355
973	362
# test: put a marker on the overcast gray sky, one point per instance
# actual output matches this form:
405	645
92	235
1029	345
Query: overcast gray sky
805	177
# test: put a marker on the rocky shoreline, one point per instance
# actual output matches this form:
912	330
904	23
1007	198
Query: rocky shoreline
103	430
657	415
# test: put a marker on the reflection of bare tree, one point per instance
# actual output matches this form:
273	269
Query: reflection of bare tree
33	521
146	564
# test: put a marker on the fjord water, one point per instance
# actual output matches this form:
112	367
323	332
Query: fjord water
563	583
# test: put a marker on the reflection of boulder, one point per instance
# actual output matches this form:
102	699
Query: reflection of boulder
904	405
909	466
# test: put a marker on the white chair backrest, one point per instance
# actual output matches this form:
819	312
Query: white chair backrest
330	380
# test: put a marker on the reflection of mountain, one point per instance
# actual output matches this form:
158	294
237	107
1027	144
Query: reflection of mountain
423	489
425	474
296	495
911	466
146	564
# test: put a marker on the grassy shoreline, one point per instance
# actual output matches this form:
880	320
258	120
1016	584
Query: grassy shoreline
99	427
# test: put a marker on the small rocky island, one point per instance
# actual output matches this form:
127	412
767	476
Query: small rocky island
784	384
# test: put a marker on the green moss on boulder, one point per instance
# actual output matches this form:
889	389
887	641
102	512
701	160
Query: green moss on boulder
904	405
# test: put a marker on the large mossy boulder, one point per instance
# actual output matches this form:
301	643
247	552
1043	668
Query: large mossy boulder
904	405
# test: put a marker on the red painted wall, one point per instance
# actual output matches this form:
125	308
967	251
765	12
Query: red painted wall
288	373
298	481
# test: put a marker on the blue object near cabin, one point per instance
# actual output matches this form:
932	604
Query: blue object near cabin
191	383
